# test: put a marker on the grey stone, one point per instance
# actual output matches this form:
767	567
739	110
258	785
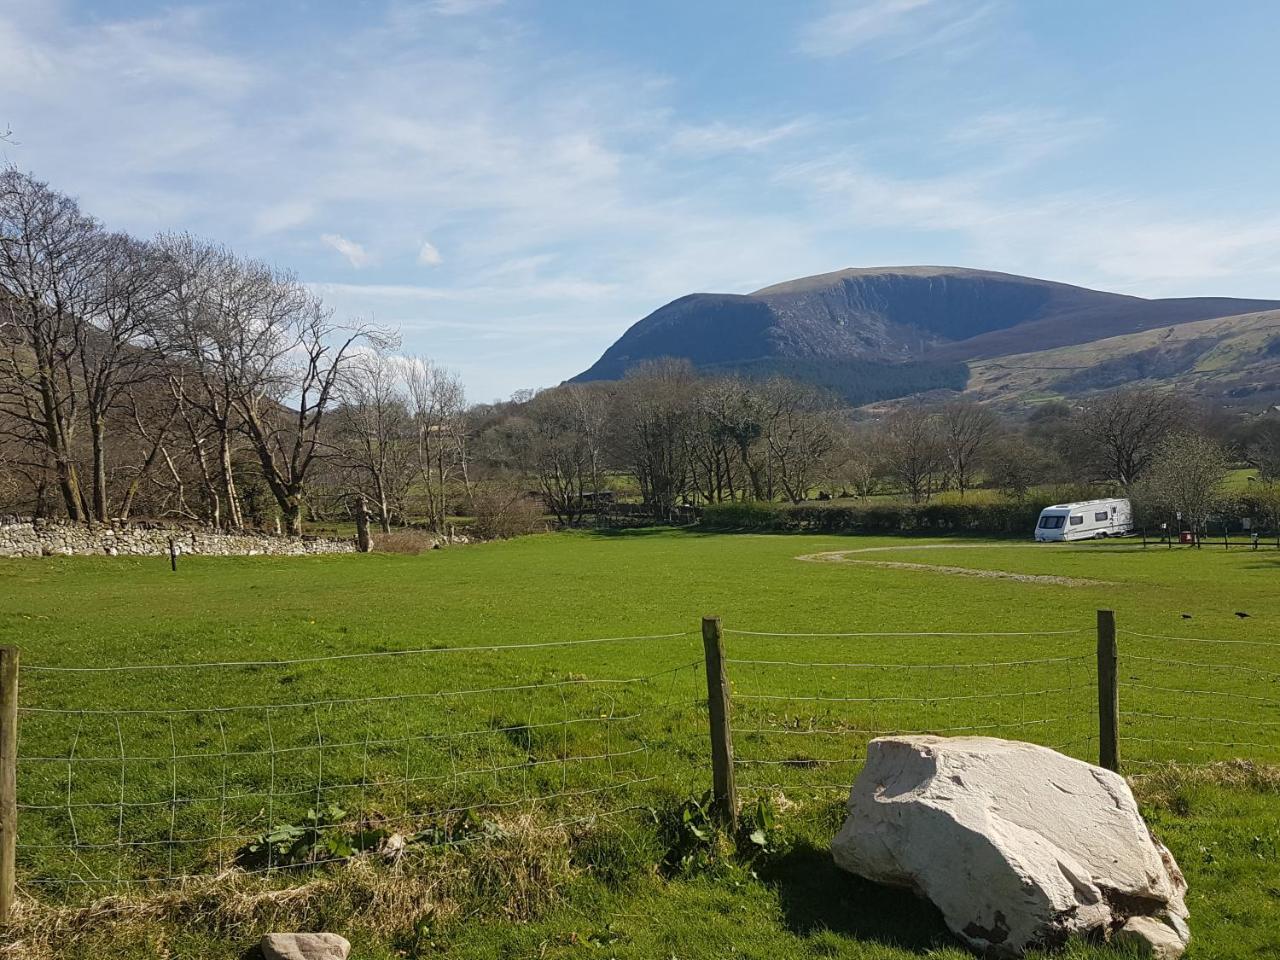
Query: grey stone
304	946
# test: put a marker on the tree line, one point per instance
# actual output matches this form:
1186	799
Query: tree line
174	378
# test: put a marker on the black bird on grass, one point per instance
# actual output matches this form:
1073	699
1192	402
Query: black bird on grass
1186	616
1242	615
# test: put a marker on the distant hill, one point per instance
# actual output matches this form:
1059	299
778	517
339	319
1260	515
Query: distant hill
879	333
1233	358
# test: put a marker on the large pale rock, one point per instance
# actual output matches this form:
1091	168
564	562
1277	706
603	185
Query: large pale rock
304	946
1016	844
1152	938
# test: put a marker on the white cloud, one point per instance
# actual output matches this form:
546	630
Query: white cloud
355	254
287	215
458	8
1108	241
428	255
848	24
896	27
720	137
566	186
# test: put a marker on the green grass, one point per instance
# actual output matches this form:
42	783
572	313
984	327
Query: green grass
576	732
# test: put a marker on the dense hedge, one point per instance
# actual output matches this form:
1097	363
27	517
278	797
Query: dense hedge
990	519
1009	519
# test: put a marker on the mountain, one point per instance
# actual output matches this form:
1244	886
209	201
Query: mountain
877	333
1234	359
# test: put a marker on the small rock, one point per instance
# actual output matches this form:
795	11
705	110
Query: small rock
305	946
1151	938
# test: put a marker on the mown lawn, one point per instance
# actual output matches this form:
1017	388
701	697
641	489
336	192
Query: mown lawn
615	728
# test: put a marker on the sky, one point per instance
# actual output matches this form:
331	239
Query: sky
513	183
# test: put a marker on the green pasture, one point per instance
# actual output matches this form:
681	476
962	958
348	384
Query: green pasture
154	774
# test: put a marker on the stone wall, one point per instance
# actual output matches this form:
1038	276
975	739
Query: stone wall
20	537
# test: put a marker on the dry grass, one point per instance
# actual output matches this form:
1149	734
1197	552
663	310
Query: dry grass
409	542
1161	785
516	876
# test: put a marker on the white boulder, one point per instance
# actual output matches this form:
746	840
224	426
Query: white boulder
1017	845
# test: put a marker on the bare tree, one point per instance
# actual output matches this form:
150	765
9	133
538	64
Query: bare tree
374	430
1261	447
650	423
218	326
257	356
855	465
714	471
49	258
115	344
912	451
1014	464
553	447
966	429
590	406
437	404
801	433
1125	428
741	416
284	417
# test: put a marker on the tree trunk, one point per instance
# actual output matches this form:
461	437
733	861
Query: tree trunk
233	518
98	430
292	510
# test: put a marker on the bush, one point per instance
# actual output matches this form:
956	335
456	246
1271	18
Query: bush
1011	519
503	511
407	541
749	515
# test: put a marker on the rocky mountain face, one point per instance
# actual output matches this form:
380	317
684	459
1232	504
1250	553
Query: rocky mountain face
906	329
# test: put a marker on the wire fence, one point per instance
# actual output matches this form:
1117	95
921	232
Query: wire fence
801	723
168	792
183	771
1197	699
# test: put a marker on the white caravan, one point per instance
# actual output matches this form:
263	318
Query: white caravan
1088	520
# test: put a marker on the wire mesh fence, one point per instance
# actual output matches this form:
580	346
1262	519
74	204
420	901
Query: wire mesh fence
189	770
167	792
1197	699
801	723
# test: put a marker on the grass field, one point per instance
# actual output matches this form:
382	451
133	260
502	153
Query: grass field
147	781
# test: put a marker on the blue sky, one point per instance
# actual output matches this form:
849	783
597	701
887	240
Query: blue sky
513	183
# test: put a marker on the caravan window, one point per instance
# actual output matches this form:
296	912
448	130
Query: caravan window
1051	523
1077	520
1101	515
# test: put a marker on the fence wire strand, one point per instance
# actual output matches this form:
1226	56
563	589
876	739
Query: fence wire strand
152	794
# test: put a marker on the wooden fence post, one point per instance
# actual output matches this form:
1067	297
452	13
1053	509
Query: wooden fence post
1108	693
8	779
723	789
173	555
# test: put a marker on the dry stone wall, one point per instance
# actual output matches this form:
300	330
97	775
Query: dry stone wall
23	537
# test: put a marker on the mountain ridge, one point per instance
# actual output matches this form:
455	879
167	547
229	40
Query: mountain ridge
922	314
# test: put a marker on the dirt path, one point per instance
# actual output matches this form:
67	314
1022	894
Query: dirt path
843	556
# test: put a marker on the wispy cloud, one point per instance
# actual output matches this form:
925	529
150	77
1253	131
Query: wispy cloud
897	26
718	137
570	191
286	215
461	8
355	254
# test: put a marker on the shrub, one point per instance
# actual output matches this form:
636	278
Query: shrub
749	515
1014	518
407	541
502	511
